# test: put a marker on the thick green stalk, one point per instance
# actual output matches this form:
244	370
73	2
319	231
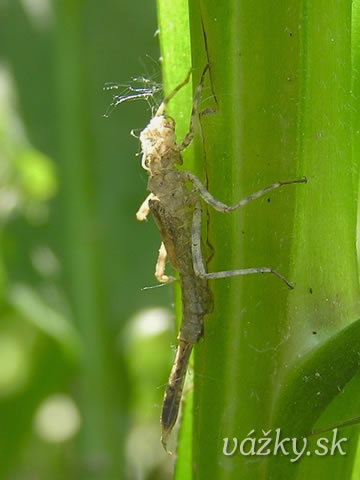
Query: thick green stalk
281	80
176	56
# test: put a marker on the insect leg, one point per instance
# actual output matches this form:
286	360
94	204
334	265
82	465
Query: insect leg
144	209
222	207
160	266
161	109
190	135
198	263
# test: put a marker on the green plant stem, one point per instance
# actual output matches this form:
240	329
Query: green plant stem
176	58
281	78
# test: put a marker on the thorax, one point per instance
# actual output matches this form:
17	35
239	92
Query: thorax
171	191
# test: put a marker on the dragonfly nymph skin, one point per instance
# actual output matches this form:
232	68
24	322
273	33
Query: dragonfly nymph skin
177	212
172	204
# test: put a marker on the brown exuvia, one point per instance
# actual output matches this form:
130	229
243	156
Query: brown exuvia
177	213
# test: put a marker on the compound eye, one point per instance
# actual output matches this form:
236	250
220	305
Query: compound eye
170	121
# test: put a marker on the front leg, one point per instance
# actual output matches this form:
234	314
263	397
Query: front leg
190	134
198	263
144	209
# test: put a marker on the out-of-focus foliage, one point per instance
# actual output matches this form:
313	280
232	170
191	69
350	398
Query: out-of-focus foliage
84	352
27	176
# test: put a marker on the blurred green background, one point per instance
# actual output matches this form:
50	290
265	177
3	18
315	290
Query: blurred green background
84	352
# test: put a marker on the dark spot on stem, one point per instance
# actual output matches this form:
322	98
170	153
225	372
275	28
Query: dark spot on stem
310	290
